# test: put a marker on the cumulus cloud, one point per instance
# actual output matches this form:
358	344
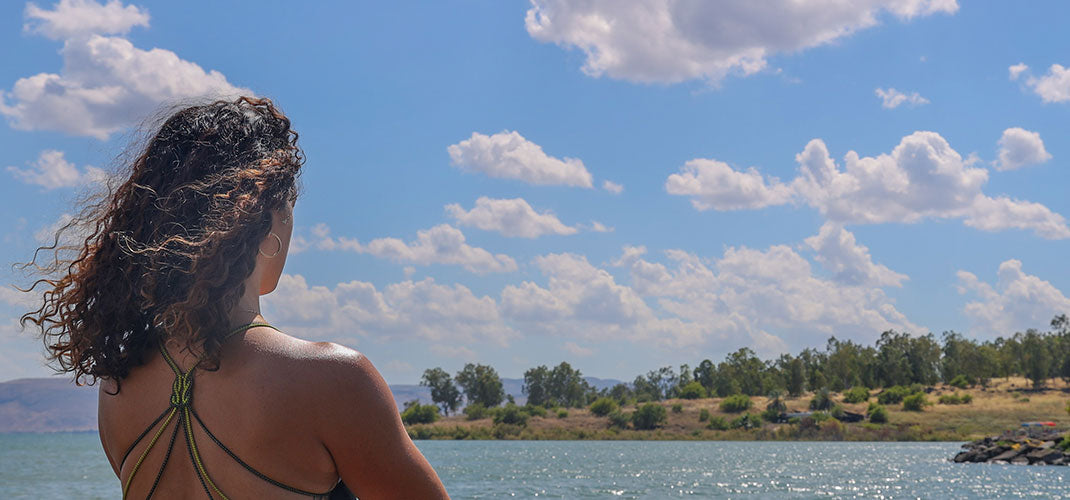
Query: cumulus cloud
1016	301
508	155
510	217
713	184
891	98
771	300
922	178
1054	86
76	18
584	301
453	351
1019	147
577	350
669	41
1016	70
442	244
105	83
357	310
598	227
52	171
848	261
612	187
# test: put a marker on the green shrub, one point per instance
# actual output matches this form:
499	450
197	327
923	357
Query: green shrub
535	410
677	408
511	414
820	416
693	390
703	415
736	403
746	421
960	381
717	423
837	412
618	419
955	399
770	415
562	413
822	400
649	416
417	413
475	411
878	415
1065	443
915	402
856	394
893	395
604	406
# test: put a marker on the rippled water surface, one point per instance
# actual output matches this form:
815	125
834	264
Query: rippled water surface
73	466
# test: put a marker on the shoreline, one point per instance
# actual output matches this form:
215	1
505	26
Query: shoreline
1004	405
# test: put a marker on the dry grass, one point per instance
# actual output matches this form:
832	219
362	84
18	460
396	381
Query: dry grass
1000	407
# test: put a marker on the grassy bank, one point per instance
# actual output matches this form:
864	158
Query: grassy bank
1003	405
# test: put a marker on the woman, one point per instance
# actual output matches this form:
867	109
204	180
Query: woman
199	395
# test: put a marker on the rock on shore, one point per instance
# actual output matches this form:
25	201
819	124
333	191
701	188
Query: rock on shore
1033	447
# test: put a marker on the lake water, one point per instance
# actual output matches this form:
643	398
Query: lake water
73	466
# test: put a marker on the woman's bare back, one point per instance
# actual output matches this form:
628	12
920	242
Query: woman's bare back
276	402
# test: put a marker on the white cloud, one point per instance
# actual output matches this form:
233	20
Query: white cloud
508	155
407	310
442	244
713	184
78	18
768	299
453	351
52	170
612	187
1051	87
598	227
105	83
1016	71
848	261
1019	147
510	217
923	177
577	350
669	41
891	98
14	297
585	302
1016	302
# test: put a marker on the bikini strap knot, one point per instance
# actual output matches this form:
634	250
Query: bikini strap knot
182	390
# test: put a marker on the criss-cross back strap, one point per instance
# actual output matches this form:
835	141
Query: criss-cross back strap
181	408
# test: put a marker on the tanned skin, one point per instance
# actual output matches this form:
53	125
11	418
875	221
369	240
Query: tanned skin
304	413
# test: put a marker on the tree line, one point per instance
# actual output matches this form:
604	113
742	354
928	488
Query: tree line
896	359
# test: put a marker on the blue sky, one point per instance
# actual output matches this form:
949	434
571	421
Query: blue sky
786	173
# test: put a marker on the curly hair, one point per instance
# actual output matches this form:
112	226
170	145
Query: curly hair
163	255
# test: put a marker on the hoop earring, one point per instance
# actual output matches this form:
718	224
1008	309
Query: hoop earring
261	251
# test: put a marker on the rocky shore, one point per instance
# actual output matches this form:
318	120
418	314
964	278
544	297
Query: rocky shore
1020	447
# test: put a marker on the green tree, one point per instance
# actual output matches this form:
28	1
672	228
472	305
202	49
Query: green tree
443	391
536	382
481	384
649	416
1035	357
704	374
794	375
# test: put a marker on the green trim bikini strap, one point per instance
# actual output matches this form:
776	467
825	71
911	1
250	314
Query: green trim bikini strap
181	399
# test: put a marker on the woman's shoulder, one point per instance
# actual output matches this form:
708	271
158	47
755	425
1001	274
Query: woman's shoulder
326	366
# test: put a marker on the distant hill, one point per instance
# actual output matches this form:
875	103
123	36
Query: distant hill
47	405
57	405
